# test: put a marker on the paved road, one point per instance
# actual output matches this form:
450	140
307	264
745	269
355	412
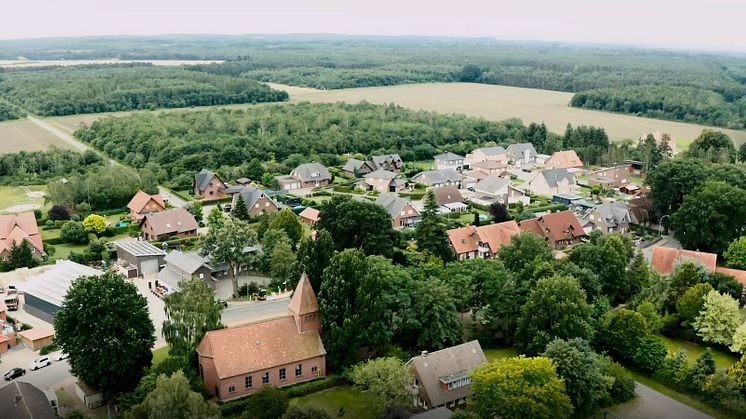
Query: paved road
243	312
42	378
652	404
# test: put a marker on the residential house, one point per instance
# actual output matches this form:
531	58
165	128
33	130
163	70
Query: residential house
563	160
447	195
237	361
552	182
168	224
641	211
306	175
357	168
614	177
490	167
560	229
500	190
19	229
310	216
182	266
442	378
495	154
21	400
449	161
471	178
521	154
208	185
257	202
403	213
439	177
481	242
383	181
142	204
139	257
665	259
437	413
609	217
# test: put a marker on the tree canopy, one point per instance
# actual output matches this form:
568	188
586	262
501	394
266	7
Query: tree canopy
359	225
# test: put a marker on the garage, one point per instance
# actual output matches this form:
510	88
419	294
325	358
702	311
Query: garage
138	257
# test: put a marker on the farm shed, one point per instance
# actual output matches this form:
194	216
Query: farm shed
35	338
43	294
143	256
90	397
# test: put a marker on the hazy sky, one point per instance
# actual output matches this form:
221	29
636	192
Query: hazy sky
710	24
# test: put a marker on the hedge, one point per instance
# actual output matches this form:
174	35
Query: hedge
53	241
341	188
112	211
552	208
414	194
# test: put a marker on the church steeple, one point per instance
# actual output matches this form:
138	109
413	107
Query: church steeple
304	307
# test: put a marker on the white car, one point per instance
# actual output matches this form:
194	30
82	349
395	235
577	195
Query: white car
59	356
40	363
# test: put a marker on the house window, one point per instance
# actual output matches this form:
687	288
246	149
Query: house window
282	374
256	205
247	382
314	370
299	370
232	389
201	276
265	378
266	204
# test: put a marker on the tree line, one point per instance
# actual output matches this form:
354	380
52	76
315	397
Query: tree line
90	89
40	167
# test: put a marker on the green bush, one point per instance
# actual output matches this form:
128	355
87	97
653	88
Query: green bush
47	349
314	386
53	241
343	189
113	211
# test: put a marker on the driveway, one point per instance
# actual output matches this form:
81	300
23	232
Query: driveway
172	198
43	378
652	404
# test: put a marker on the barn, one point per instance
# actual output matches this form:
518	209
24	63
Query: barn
140	255
44	293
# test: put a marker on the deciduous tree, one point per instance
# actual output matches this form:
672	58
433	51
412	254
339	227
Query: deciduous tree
718	319
227	244
735	255
195	208
287	221
215	218
359	225
94	223
314	256
387	380
59	213
173	395
499	212
192	312
690	304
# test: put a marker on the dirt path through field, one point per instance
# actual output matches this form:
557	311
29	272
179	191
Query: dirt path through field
67	138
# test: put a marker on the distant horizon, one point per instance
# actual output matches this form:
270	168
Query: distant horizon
662	24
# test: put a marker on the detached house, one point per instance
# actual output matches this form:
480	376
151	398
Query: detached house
499	189
439	177
383	181
521	154
208	185
563	160
553	182
614	177
357	168
142	204
257	202
238	361
403	213
20	229
609	217
164	225
448	161
495	154
306	175
442	378
481	242
182	266
560	229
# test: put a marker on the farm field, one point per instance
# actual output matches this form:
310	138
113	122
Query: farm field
24	135
502	102
16	199
44	63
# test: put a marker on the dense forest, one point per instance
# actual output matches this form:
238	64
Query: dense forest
90	89
183	143
38	167
9	111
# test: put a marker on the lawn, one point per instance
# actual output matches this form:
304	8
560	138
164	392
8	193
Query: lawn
62	251
50	234
499	353
355	403
159	355
694	351
15	195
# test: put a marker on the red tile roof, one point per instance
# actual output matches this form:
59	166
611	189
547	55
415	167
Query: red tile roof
311	214
170	221
304	299
564	160
562	225
16	228
138	202
466	239
665	258
259	346
735	273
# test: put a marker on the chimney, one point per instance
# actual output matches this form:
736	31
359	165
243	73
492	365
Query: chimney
424	354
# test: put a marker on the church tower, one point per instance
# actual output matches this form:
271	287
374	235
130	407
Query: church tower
304	307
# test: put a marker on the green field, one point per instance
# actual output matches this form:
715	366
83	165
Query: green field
15	196
694	351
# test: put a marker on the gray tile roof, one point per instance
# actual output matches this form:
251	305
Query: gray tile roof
203	178
23	400
352	165
381	174
139	248
555	175
436	177
492	184
457	360
187	262
491	151
251	194
439	413
448	156
515	150
392	203
378	161
308	172
614	213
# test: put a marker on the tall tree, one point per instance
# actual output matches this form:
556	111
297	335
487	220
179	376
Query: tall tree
354	224
215	218
351	308
557	307
712	146
227	244
105	328
240	211
671	181
711	217
195	208
282	265
431	232
314	256
525	248
499	212
432	320
387	380
515	388
192	312
287	221
719	319
735	255
174	396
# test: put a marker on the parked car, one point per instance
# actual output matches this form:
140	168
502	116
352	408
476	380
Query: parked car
40	363
14	373
227	208
59	356
223	303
